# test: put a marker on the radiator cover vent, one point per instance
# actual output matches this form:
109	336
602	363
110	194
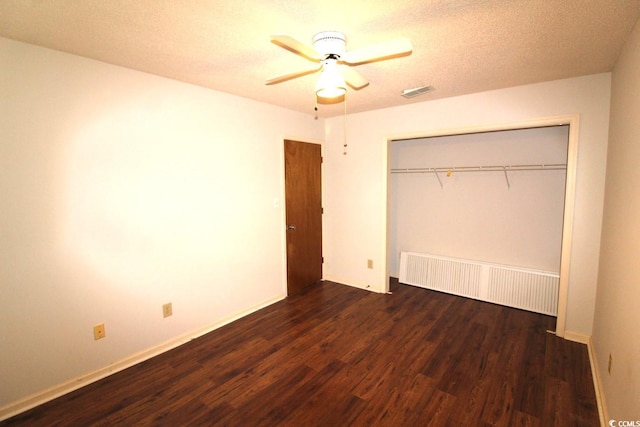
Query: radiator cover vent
523	288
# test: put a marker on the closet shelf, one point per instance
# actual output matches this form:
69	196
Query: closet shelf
508	168
502	168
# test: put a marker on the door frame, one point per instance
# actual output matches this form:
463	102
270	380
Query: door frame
281	203
573	121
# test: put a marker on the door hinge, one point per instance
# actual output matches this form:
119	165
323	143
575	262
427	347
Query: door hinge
321	210
322	260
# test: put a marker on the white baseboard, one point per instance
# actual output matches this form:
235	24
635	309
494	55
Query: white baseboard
44	396
365	286
603	412
577	337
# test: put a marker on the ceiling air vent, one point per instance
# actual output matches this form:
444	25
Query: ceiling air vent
411	93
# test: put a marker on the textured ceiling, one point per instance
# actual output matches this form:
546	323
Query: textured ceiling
459	46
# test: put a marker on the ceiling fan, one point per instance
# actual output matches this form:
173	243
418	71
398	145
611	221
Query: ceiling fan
331	56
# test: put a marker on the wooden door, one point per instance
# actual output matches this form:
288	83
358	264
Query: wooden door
303	203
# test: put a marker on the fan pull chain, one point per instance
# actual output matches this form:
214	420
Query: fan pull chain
316	107
344	145
344	152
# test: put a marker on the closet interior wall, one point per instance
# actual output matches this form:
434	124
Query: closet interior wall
474	196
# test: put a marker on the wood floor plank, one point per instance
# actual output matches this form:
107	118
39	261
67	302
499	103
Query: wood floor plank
337	355
325	390
529	397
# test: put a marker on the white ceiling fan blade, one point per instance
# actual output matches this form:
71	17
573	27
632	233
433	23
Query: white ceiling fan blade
378	52
293	75
296	47
353	78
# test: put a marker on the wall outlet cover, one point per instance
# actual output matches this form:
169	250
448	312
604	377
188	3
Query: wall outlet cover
167	310
99	331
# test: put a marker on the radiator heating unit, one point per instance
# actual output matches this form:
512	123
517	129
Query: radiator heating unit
523	288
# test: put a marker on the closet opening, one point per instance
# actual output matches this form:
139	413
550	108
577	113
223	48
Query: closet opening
485	213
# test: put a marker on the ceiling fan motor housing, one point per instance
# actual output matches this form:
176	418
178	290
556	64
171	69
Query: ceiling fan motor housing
329	43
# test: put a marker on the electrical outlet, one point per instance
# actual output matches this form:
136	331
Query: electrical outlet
99	332
167	310
610	363
370	264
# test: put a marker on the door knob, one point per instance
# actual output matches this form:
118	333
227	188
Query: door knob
291	227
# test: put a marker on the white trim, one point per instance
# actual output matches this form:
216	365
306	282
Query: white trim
386	174
567	227
573	120
302	139
365	286
44	396
577	337
283	218
603	411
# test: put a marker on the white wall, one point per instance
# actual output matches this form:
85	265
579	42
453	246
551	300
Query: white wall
119	192
355	184
616	326
478	215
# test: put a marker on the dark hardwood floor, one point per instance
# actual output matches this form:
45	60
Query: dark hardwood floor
334	355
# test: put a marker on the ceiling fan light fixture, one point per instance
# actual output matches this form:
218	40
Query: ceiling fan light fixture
330	84
329	48
329	43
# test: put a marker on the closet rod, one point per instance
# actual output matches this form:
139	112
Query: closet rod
510	168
